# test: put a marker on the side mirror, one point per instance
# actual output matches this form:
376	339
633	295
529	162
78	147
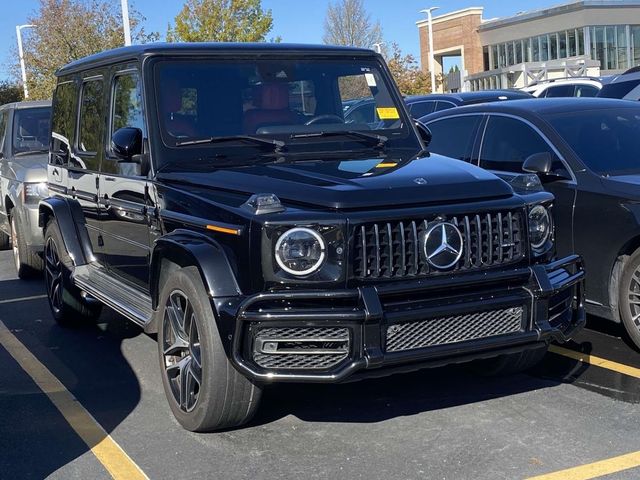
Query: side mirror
126	143
425	133
542	165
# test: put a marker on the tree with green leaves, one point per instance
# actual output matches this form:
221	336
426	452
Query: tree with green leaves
67	30
348	23
221	21
10	92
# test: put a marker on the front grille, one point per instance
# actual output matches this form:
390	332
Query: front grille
296	348
453	329
395	249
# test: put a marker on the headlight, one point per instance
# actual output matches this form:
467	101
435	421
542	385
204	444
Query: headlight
300	251
34	192
539	226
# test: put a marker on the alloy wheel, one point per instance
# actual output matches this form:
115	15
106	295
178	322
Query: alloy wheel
634	297
53	274
181	350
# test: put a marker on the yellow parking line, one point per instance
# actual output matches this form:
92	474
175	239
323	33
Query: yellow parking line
597	361
595	470
106	450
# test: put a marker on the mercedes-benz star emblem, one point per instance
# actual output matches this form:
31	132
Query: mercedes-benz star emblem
443	245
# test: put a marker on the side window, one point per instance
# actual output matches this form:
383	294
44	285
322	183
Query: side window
362	114
127	103
420	109
444	106
586	91
508	142
62	122
560	91
448	132
3	127
91	117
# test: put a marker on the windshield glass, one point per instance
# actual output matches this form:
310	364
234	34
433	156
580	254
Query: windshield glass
607	141
31	130
273	98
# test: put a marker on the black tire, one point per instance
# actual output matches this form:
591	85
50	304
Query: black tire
28	263
629	297
205	392
68	307
511	363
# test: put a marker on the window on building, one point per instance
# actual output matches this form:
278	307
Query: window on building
580	41
485	58
635	44
598	48
610	41
518	51
510	54
501	56
572	50
494	57
621	46
562	45
535	49
553	46
544	48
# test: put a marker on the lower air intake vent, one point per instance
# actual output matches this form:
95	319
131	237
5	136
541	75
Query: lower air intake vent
446	330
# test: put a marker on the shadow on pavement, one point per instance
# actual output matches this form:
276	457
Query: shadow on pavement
35	439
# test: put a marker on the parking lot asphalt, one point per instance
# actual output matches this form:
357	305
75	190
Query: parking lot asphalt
444	423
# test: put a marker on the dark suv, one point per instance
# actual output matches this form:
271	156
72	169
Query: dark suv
212	193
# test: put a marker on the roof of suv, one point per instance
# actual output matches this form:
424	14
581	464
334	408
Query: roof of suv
537	106
213	48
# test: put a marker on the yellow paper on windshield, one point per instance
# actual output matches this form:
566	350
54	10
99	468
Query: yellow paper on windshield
388	113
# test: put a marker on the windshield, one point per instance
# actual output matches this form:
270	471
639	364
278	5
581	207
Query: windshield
607	141
299	101
31	130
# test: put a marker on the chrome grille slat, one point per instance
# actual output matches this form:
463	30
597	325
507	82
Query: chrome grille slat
394	250
453	329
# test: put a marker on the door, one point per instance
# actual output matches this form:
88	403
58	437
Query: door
84	161
124	227
507	142
63	120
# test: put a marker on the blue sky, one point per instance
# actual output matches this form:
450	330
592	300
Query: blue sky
294	20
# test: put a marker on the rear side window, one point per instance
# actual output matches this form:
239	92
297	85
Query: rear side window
586	91
3	127
449	135
420	109
560	91
443	106
91	116
507	143
62	121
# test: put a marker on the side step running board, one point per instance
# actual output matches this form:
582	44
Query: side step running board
122	297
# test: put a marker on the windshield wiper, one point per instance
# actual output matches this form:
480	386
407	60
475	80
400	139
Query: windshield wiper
277	144
381	139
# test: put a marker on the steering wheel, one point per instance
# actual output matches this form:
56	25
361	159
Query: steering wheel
323	118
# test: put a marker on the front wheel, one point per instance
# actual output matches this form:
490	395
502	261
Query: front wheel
205	392
629	297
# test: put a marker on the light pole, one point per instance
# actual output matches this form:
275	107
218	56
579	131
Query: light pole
431	61
21	54
125	22
378	47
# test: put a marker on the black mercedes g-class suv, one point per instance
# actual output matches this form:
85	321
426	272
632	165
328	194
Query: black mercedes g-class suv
214	195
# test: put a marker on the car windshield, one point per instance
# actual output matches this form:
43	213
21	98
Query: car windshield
31	130
288	100
606	140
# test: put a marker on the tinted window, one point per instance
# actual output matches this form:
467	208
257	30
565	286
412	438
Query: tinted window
586	91
91	117
127	103
443	106
619	89
31	130
607	141
507	143
62	121
3	127
362	114
560	91
420	109
453	137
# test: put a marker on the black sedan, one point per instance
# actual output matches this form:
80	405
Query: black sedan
588	153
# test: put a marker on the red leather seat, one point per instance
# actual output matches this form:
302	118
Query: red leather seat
272	102
177	124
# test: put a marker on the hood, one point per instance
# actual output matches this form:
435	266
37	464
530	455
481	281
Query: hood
29	168
357	183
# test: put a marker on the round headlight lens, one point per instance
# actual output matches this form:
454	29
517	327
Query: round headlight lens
300	251
539	226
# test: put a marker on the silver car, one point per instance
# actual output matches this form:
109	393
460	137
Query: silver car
24	142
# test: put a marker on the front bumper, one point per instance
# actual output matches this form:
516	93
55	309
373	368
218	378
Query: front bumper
404	326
